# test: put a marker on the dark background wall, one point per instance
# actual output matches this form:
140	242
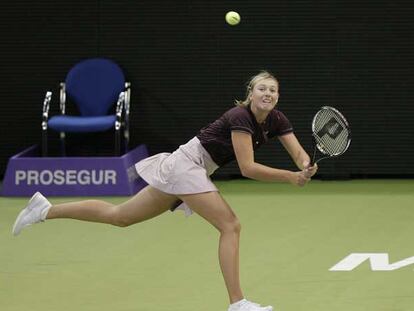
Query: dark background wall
187	66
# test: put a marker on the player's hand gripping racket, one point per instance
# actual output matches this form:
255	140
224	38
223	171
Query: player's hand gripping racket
331	134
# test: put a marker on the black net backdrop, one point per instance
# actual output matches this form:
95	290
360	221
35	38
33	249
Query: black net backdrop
187	66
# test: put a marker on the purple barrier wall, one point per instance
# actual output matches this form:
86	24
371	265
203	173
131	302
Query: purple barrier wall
73	176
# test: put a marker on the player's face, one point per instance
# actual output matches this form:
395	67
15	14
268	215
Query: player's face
265	94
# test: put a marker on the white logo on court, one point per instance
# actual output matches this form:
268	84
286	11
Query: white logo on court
378	262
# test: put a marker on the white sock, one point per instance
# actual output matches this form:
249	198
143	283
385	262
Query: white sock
44	213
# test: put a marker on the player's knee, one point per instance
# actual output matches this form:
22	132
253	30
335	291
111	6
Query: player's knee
231	226
118	218
121	222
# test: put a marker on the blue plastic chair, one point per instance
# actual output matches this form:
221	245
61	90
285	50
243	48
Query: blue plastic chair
95	85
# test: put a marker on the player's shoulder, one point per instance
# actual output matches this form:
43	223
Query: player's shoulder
237	112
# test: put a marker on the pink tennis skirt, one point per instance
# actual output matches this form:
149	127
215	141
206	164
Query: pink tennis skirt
185	171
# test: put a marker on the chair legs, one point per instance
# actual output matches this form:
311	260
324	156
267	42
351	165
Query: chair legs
126	139
45	151
44	143
117	142
62	144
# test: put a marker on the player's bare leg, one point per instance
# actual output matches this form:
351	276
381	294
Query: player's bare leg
212	207
146	204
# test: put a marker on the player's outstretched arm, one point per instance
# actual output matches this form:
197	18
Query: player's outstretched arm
298	154
243	148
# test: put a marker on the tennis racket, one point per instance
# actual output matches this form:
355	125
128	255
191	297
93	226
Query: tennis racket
331	134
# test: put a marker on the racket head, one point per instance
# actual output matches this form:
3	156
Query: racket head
331	133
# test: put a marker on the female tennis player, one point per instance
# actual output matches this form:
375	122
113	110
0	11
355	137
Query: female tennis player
181	179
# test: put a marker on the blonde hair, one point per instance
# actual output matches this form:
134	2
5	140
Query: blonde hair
262	75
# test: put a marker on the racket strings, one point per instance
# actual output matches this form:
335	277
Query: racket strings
331	132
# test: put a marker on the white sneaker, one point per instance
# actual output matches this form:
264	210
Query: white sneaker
246	305
35	211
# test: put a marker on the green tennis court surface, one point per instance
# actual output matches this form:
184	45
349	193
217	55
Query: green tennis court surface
291	237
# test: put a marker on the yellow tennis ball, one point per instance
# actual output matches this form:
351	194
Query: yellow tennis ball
232	18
